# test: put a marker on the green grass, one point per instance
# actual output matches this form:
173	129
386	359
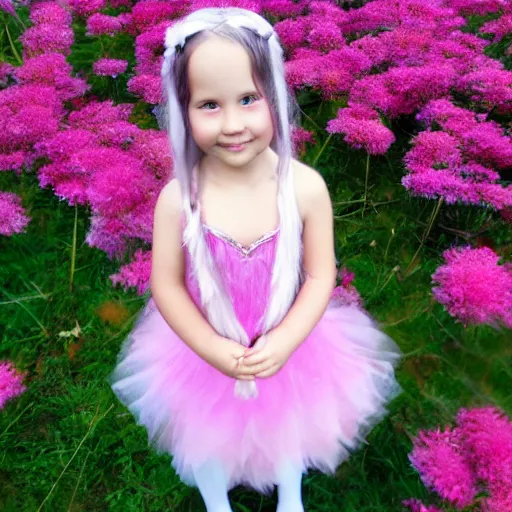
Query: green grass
67	444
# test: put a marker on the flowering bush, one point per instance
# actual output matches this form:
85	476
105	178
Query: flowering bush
382	60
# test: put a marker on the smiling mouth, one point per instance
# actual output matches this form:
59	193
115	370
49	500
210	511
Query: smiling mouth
235	144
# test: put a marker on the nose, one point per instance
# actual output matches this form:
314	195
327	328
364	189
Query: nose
233	121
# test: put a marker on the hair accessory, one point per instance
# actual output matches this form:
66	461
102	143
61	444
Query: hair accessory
178	34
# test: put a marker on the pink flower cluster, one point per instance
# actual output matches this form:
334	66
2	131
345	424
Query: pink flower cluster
346	294
363	128
103	160
93	154
7	6
50	32
14	219
453	163
459	463
299	138
500	27
135	274
384	59
473	287
110	67
11	382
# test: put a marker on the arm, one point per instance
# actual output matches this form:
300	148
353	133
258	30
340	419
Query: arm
170	293
320	269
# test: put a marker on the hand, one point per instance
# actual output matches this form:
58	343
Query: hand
267	357
226	356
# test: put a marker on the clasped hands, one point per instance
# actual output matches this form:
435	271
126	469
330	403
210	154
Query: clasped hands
268	355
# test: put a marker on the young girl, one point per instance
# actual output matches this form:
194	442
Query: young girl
241	366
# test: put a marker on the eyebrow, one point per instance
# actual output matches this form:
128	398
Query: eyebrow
202	101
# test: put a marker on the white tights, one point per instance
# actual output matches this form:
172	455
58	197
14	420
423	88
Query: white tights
289	488
213	486
212	483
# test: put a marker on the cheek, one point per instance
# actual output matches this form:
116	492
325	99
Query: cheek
200	127
263	122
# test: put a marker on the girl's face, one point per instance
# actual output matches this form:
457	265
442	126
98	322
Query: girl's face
229	118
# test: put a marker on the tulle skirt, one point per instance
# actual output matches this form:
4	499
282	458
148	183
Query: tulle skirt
312	413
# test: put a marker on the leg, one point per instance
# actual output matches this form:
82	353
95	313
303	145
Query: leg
289	488
212	484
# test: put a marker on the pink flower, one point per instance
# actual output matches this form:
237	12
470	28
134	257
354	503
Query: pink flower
149	50
403	90
292	33
363	129
8	7
482	442
14	219
328	10
346	293
118	188
324	35
135	274
473	287
13	161
109	235
500	27
42	39
97	114
50	13
11	382
147	87
110	67
481	140
151	147
345	276
439	458
51	69
28	114
120	3
300	136
488	434
149	13
371	16
491	87
438	167
86	7
481	7
103	24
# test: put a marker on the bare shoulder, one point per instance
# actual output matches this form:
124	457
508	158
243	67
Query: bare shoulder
169	202
310	187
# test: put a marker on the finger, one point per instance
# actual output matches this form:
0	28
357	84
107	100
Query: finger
244	377
269	372
254	370
252	350
254	359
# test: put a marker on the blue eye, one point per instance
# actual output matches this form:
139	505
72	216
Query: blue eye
251	96
205	106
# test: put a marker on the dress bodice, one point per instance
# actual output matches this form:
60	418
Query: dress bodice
246	273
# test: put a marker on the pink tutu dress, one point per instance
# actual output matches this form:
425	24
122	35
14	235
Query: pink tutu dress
315	410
